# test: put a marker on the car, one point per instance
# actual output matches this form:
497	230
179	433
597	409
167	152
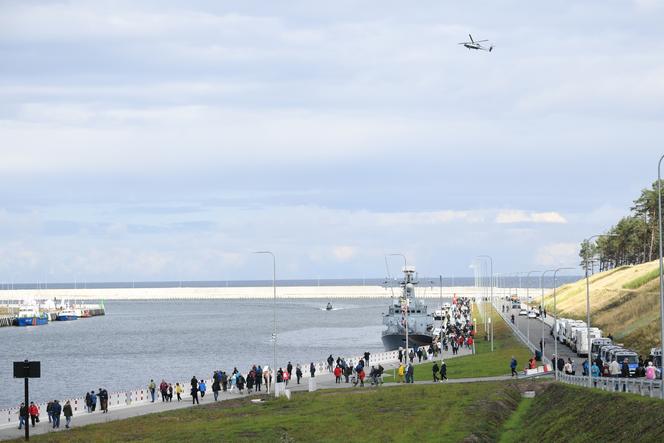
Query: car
532	314
523	312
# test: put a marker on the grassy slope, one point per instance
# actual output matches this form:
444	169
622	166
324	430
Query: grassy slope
404	413
573	414
485	363
630	315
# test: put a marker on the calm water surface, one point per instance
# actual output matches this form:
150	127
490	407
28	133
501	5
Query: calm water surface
139	340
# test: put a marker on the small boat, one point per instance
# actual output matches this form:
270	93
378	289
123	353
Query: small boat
67	315
329	306
31	316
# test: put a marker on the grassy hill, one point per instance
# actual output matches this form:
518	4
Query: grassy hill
468	412
623	301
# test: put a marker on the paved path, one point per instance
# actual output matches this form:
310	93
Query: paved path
323	381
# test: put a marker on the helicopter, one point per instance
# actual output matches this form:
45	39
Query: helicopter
475	44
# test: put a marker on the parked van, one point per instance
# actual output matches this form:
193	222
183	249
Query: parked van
581	339
597	344
557	328
570	330
632	357
604	352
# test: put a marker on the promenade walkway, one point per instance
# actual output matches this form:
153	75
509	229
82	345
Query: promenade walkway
323	381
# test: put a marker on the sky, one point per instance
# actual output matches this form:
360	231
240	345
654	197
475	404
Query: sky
163	140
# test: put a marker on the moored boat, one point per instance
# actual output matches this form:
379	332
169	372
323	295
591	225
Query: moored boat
329	306
67	315
31	316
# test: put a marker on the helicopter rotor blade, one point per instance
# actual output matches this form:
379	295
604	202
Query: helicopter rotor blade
471	38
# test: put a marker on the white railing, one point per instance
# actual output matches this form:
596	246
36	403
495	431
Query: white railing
639	386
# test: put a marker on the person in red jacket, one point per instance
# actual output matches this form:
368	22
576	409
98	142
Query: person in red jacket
337	374
33	410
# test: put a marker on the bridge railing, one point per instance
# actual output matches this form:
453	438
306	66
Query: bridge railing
639	386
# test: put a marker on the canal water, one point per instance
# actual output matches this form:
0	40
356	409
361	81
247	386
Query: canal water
139	340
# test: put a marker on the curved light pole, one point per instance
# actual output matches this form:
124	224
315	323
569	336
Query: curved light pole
555	322
587	241
661	268
528	301
542	307
274	310
405	263
491	295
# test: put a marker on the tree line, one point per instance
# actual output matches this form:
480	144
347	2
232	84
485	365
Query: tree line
633	240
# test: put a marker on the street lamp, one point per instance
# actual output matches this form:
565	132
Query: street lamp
555	322
491	296
542	307
405	263
587	242
274	310
661	266
528	301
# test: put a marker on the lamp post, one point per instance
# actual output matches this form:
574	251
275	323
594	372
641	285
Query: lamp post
405	263
528	300
661	266
587	241
542	307
555	322
274	310
491	296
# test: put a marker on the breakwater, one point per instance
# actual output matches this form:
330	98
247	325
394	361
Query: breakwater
238	293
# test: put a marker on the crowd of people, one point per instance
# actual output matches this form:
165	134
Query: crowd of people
54	410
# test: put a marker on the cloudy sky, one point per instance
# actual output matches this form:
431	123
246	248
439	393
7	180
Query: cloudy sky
166	140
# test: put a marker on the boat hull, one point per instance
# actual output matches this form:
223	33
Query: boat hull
66	317
393	342
32	321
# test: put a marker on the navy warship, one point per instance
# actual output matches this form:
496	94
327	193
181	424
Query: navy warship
407	318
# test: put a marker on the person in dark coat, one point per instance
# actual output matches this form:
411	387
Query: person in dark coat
298	373
216	387
289	369
68	413
443	371
434	369
312	369
56	411
23	416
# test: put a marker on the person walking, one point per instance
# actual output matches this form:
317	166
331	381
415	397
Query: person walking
56	411
312	369
88	402
400	373
409	373
163	389
194	395
178	391
650	371
259	378
513	365
337	374
152	388
202	387
366	358
298	373
434	369
93	400
49	409
23	414
216	388
103	400
68	413
443	370
33	410
170	392
289	369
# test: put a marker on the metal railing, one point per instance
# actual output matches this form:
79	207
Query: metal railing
639	386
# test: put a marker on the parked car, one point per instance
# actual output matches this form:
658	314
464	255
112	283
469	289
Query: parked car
523	312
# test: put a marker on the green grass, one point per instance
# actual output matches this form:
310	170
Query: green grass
642	280
574	414
484	363
511	428
472	412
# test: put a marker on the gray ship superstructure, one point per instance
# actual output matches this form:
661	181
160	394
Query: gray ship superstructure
420	323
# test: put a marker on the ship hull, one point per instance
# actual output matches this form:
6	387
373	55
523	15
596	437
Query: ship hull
393	342
66	317
32	321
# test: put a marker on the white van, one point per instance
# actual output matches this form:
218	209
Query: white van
581	340
570	330
597	344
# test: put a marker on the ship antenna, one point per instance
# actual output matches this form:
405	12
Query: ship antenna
389	277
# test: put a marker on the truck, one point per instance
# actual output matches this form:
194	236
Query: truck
557	328
580	345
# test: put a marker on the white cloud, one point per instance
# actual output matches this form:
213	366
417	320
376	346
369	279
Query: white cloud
344	253
557	254
519	216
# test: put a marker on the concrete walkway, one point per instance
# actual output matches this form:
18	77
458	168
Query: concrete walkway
323	381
